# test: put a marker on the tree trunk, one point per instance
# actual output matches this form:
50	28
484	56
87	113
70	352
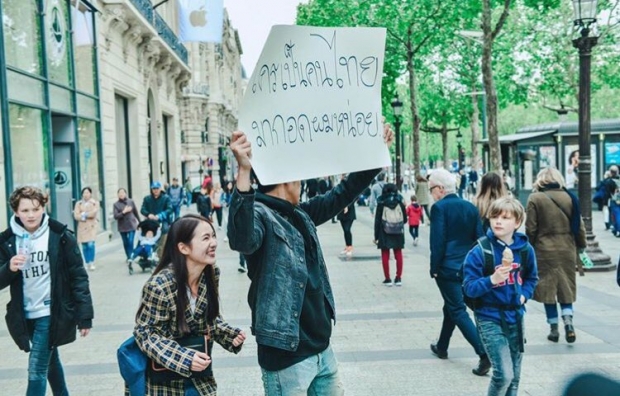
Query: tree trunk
495	151
415	118
475	130
444	143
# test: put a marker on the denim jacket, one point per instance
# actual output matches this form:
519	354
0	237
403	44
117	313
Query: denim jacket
276	256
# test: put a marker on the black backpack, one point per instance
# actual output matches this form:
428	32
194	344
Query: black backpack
489	269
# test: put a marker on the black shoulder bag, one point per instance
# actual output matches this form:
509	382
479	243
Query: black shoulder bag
159	374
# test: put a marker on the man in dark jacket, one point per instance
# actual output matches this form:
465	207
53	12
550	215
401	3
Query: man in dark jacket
157	206
455	227
290	295
613	186
312	188
50	297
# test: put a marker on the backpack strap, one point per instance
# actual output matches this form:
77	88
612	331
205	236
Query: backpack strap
487	251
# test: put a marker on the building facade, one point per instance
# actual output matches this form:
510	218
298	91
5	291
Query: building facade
99	96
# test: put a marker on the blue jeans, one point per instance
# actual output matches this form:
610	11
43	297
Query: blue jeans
176	210
144	251
88	249
614	210
455	315
552	312
190	388
44	363
315	376
127	238
503	352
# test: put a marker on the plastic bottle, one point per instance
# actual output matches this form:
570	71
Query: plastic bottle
585	259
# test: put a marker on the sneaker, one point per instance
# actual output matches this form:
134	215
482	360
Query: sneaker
387	282
242	269
415	242
130	267
91	266
484	365
438	352
397	282
344	251
349	252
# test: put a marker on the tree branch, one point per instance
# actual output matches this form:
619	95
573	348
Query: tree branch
502	20
396	37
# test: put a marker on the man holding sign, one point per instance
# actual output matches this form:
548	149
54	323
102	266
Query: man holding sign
290	294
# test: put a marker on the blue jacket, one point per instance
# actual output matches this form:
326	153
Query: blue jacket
455	227
476	285
276	256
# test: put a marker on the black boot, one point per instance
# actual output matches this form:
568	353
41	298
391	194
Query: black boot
554	334
484	365
568	327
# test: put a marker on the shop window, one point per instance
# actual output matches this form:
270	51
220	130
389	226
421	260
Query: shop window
89	160
84	50
57	39
22	32
29	147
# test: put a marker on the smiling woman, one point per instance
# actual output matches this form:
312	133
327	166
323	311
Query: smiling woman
180	302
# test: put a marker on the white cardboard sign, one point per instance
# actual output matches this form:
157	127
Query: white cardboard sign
313	104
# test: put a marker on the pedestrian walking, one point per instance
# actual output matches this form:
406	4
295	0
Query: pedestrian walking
126	215
614	200
216	203
50	296
290	294
175	192
346	218
85	213
390	231
424	196
455	227
188	191
500	275
375	192
491	189
180	307
203	203
312	188
555	229
415	216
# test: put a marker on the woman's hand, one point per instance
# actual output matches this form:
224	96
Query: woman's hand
84	332
242	149
200	361
239	339
388	134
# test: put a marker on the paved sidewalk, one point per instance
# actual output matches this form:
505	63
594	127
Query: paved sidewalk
381	339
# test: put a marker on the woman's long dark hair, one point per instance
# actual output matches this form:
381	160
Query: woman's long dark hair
182	231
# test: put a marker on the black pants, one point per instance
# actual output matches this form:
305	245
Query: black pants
428	215
413	230
346	227
218	214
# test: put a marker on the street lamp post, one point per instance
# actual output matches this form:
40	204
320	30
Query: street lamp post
459	148
397	108
585	15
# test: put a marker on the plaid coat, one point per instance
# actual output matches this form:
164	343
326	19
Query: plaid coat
156	328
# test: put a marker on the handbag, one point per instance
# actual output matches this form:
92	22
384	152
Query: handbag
160	374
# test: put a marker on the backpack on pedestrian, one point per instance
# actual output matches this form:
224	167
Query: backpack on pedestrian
393	220
489	268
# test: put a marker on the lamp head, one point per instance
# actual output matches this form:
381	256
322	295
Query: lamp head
397	106
585	12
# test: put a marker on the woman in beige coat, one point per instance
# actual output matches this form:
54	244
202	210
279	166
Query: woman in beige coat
555	229
85	213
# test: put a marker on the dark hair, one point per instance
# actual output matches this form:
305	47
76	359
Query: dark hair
27	192
262	188
381	176
389	188
182	231
571	156
121	189
414	198
421	179
90	190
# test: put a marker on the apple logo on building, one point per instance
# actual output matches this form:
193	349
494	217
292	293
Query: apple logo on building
198	18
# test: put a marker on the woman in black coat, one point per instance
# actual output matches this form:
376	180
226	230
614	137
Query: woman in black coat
346	218
390	219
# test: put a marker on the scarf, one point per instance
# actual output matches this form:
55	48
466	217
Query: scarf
575	218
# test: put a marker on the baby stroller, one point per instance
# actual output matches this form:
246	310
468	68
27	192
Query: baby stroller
145	253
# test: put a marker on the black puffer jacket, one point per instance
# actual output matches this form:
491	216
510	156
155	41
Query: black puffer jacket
389	241
72	306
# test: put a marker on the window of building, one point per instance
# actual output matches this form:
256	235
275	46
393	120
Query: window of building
84	50
29	147
88	138
57	39
22	32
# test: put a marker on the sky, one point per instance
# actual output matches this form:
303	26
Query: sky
254	19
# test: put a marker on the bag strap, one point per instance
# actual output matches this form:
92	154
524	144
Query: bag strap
487	251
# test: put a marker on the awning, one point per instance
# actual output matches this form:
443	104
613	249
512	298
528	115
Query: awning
515	137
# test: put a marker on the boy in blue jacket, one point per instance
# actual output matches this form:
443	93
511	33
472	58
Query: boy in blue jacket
499	276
